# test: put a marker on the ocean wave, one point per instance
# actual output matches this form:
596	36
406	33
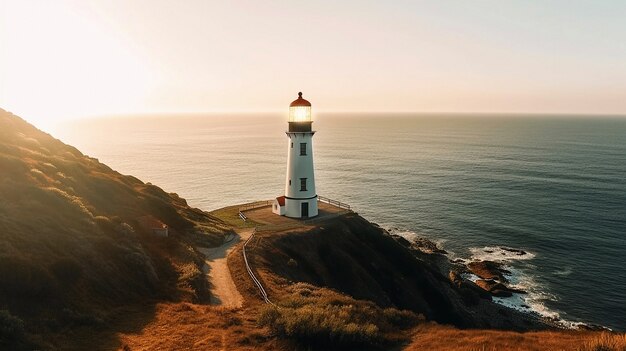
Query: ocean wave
515	262
564	272
501	254
414	237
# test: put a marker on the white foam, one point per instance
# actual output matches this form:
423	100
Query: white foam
499	254
534	301
564	272
413	236
407	234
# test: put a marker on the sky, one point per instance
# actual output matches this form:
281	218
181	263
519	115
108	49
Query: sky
79	58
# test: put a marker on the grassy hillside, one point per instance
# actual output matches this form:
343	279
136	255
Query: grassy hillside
352	256
76	239
346	284
80	269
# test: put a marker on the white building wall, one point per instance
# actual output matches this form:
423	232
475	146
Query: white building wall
293	208
300	166
277	208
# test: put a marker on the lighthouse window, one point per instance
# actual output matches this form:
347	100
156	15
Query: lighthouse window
292	145
302	149
302	184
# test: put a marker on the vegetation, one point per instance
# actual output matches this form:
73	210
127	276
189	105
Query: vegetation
359	259
318	316
76	237
80	269
606	342
230	216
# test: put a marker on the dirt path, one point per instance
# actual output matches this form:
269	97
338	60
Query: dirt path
223	289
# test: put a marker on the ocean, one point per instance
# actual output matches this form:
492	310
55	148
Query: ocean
553	186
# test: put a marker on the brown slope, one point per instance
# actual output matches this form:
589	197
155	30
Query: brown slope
72	243
357	258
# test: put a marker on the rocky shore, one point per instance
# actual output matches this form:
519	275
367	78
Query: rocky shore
485	278
491	275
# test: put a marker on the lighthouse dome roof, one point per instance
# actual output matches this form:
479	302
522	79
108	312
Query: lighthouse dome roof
300	101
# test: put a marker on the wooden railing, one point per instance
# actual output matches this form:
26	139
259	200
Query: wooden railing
253	205
243	216
255	280
333	202
259	204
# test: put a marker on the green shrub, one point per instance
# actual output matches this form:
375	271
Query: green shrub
320	325
313	315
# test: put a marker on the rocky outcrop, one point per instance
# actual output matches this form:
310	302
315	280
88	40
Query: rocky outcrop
497	289
488	270
354	257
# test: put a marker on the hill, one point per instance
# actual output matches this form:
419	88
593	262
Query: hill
81	268
359	259
77	242
345	283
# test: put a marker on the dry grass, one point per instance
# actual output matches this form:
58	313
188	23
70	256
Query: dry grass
185	326
320	317
77	273
605	342
230	216
71	240
434	337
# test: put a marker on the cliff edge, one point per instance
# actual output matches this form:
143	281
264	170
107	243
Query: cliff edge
78	241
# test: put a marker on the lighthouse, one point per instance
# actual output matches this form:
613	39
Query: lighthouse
300	199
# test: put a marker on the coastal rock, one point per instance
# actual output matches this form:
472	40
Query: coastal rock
429	246
515	251
455	278
488	270
471	292
366	263
401	240
501	293
497	289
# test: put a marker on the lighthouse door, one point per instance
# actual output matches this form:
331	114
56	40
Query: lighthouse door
305	210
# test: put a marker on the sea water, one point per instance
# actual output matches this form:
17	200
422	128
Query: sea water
553	186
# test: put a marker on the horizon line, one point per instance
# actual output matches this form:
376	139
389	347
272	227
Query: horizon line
340	112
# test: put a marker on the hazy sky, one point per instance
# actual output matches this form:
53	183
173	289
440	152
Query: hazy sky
73	58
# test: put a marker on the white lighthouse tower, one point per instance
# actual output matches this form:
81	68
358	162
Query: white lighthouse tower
300	199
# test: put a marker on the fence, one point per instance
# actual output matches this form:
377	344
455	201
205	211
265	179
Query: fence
255	280
254	205
259	204
333	202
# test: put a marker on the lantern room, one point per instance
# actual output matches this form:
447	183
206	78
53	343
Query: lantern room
300	110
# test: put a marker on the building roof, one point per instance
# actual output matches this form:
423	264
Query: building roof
300	101
281	200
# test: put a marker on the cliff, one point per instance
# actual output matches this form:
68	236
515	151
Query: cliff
357	258
76	239
80	268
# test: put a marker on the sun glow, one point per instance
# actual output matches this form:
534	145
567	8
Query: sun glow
59	62
72	58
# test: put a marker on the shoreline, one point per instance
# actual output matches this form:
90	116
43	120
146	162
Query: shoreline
526	296
523	299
